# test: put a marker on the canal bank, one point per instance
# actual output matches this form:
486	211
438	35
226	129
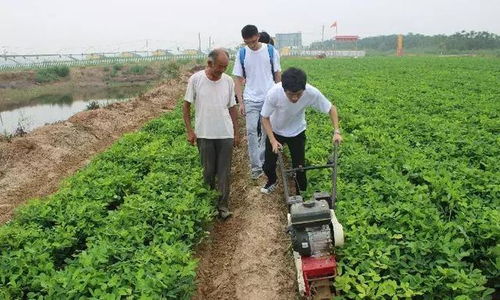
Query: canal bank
30	99
34	165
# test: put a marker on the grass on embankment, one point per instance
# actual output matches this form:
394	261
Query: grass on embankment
27	86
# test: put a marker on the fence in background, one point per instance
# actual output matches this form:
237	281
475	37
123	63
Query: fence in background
35	61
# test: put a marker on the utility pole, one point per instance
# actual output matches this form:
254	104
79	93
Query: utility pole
323	37
199	42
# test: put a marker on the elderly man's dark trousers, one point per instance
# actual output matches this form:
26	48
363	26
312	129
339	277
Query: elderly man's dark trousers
216	157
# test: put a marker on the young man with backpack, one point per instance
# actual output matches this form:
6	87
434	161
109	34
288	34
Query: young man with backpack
258	65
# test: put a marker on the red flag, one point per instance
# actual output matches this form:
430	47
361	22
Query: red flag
334	24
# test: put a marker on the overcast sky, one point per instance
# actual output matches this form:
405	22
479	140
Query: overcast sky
63	26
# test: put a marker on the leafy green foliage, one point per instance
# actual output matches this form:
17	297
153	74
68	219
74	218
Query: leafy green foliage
51	74
419	178
92	105
170	69
117	67
123	227
138	69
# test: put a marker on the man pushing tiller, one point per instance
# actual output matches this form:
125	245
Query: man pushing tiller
283	118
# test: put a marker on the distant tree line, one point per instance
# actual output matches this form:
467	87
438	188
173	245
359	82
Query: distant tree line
460	41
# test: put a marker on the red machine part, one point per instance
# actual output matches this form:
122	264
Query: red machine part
317	268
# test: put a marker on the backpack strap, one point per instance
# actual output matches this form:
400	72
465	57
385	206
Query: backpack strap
241	55
270	49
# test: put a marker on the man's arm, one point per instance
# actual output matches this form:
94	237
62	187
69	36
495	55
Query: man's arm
277	77
335	122
186	114
266	122
238	89
277	66
233	112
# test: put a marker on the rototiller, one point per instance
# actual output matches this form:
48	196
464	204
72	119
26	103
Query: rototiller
314	231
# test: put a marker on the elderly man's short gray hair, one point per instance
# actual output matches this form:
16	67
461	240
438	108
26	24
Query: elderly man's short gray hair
212	56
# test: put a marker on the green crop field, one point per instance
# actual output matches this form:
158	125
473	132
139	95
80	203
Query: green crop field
419	173
419	187
123	227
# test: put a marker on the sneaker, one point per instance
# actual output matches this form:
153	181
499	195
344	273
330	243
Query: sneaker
256	174
224	214
269	188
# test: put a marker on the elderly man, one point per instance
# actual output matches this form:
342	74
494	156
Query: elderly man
216	123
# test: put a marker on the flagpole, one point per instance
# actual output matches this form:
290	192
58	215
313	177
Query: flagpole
334	24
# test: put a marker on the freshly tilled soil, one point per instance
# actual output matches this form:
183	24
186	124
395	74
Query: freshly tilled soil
248	256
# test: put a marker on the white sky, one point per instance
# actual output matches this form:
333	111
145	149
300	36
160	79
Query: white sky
62	26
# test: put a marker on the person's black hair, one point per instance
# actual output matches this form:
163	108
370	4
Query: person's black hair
266	38
248	31
293	80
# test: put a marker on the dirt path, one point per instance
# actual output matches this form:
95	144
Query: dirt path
34	165
248	256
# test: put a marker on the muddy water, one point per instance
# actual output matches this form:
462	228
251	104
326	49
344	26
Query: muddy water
46	109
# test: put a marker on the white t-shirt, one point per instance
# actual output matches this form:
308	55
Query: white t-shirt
289	119
212	100
259	77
